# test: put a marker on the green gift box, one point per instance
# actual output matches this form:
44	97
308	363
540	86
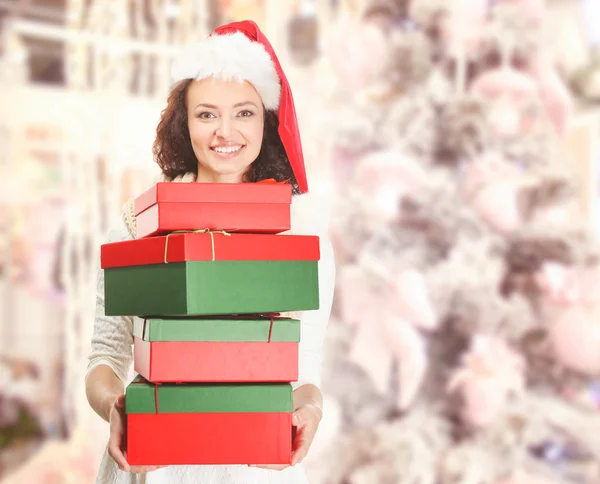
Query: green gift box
204	274
211	288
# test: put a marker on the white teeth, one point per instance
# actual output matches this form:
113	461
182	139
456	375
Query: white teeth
226	149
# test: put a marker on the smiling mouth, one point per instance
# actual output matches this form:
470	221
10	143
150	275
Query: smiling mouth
226	150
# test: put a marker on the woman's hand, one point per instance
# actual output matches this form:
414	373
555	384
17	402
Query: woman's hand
118	438
306	419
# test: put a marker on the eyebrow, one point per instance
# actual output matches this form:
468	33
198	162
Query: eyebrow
212	106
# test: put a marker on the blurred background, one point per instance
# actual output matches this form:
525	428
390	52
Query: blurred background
452	147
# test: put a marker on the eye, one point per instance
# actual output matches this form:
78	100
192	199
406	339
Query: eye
205	115
245	113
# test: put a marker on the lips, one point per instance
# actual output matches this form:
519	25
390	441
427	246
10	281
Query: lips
227	152
226	149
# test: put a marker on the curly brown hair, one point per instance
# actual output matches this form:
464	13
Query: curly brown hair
175	156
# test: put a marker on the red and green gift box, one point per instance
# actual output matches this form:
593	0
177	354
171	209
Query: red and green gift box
236	349
214	366
242	207
188	274
202	424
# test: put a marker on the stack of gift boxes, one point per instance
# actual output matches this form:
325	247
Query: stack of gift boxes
207	276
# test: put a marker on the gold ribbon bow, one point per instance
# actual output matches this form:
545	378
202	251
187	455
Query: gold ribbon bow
198	231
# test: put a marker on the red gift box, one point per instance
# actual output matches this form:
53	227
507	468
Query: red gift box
192	423
239	207
253	349
209	246
209	438
198	361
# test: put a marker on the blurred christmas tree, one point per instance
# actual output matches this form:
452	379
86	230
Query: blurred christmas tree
465	338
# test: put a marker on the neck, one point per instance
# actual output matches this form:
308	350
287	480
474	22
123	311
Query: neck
212	177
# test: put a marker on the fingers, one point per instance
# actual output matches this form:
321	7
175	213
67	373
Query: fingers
114	450
300	453
117	435
306	419
120	401
301	446
307	414
121	460
117	438
144	469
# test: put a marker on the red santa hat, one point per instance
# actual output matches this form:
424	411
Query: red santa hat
240	51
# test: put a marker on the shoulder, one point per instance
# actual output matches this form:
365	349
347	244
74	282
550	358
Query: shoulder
118	231
310	214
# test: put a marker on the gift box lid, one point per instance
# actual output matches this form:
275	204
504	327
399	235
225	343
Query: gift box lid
218	246
231	329
267	191
141	397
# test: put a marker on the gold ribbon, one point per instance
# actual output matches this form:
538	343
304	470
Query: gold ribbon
198	231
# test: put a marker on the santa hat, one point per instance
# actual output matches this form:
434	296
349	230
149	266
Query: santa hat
240	51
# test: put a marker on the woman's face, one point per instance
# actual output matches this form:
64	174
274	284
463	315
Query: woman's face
226	121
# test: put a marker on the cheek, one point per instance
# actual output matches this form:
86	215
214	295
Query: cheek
200	136
254	132
254	137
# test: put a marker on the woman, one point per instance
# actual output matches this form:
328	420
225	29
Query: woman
230	118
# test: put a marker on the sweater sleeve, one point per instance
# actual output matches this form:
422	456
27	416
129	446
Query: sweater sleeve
112	338
310	217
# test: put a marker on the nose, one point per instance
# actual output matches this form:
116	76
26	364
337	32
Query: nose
224	127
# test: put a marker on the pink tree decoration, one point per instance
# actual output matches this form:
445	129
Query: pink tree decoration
463	28
560	284
555	94
492	187
383	178
358	52
575	337
572	301
387	313
497	204
510	93
490	373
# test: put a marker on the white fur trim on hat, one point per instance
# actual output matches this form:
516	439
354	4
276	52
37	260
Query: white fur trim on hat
231	57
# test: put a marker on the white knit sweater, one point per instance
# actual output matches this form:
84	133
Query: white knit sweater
112	346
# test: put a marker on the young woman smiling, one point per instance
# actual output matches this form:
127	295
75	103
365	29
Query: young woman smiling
230	118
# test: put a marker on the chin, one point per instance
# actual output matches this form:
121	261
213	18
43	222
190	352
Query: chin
231	172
